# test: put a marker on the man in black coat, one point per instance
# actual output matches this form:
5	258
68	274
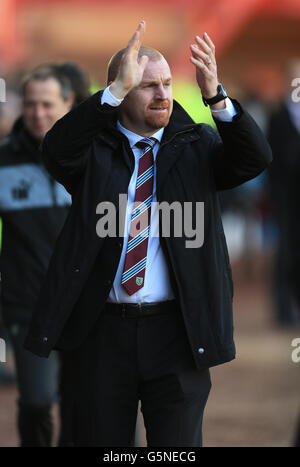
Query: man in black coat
144	324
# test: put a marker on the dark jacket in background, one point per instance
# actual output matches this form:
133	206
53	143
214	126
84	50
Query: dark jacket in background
85	152
33	208
284	175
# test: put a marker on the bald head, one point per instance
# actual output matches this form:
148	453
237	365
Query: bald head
114	63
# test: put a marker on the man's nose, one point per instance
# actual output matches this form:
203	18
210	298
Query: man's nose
161	92
38	112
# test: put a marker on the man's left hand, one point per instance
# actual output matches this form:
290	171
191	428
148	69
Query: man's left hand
203	57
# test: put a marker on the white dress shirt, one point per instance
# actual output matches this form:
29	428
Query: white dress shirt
157	284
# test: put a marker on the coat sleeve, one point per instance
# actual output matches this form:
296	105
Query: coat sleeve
65	148
240	152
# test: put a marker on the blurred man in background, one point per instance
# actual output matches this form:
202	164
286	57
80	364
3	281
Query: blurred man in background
284	173
284	138
33	208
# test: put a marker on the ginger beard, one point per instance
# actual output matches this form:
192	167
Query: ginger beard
157	115
148	107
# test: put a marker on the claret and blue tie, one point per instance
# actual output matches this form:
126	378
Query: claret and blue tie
133	276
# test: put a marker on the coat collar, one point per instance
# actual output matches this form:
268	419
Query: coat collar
180	129
179	122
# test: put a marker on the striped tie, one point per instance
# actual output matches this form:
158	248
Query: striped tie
133	276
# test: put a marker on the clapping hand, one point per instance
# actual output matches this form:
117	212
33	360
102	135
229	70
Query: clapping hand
203	57
130	72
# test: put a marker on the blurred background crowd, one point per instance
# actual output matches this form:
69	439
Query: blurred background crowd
258	56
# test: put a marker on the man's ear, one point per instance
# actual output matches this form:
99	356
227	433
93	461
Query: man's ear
70	101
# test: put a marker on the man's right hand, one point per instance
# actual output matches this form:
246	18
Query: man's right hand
131	72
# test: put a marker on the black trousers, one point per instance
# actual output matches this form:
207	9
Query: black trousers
125	360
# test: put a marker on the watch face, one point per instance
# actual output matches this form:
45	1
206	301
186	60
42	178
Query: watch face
222	90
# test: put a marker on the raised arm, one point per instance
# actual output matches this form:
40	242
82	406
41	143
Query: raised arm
242	151
66	146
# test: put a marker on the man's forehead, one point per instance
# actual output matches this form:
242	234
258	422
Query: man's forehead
158	69
49	86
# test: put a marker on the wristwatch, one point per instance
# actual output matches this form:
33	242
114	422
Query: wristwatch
221	95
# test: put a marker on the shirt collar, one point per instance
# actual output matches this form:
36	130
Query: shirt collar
133	138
